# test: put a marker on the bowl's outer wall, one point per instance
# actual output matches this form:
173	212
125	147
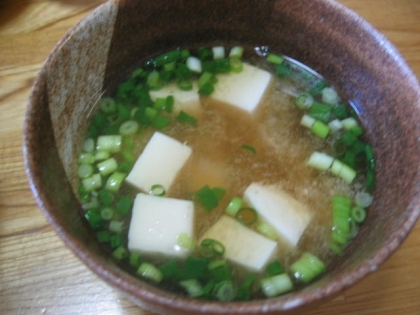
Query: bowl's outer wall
358	61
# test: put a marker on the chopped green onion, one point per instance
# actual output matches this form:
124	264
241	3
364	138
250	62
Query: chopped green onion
150	272
275	59
184	84
161	122
120	253
320	129
124	205
224	291
116	226
85	170
218	52
105	197
235	64
307	121
92	183
349	123
194	64
184	117
157	190
358	214
115	181
267	230
109	143
94	218
363	199
193	287
217	263
307	267
234	205
320	161
206	89
102	155
93	203
236	51
153	80
89	145
107	167
304	100
166	58
335	125
219	193
86	158
103	236
276	285
116	240
274	268
329	96
244	292
320	111
246	216
210	248
249	148
107	214
107	105
206	77
129	127
135	260
186	241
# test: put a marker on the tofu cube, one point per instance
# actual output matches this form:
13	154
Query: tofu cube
242	245
287	215
244	89
156	224
188	101
159	163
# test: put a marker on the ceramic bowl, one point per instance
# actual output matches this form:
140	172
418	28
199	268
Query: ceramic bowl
354	57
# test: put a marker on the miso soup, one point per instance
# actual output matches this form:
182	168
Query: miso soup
265	159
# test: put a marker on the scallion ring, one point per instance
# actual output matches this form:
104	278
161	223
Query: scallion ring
157	190
246	216
211	247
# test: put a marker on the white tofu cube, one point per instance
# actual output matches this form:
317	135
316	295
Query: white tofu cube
244	89
159	163
156	224
242	245
287	215
188	101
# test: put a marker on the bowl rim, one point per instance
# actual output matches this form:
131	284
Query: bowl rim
148	294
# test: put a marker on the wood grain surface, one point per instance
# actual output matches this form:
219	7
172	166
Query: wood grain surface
39	275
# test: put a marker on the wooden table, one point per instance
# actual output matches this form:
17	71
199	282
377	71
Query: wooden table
39	275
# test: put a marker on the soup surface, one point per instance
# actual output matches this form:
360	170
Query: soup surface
232	149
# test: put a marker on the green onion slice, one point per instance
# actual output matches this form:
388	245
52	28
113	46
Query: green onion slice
249	148
157	190
211	247
246	215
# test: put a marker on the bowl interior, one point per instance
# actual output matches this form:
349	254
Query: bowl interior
101	50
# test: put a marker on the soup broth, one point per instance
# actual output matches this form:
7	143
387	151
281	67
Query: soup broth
233	149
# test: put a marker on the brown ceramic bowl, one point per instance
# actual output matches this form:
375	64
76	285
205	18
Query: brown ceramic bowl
329	38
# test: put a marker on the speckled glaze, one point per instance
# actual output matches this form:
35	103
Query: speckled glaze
363	66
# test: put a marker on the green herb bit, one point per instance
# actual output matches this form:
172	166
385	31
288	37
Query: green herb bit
184	117
358	214
103	236
116	240
94	219
207	198
320	111
105	197
249	148
107	105
161	122
274	268
107	214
